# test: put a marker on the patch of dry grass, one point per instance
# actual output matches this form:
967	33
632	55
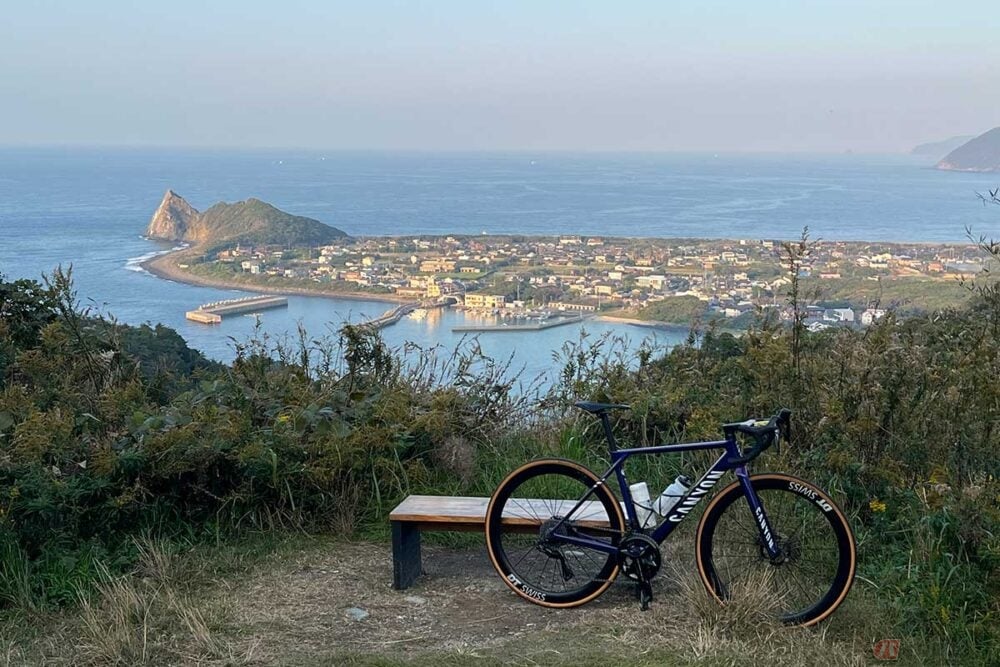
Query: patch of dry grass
288	608
686	626
144	618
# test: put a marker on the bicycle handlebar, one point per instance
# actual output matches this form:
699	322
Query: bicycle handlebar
764	434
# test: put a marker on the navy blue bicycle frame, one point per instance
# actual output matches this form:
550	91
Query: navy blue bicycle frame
682	507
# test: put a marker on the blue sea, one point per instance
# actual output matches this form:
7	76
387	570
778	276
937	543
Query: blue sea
89	207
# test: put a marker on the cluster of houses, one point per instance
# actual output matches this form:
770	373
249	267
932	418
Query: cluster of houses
591	274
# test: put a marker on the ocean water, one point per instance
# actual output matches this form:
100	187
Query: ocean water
89	207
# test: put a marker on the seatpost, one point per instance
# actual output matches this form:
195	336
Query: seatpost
609	436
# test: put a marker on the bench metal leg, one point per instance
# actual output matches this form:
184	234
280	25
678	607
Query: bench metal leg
405	554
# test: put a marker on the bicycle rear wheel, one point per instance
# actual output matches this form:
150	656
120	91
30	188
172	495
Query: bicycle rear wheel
530	557
818	557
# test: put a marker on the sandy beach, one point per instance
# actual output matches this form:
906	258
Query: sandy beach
166	266
651	324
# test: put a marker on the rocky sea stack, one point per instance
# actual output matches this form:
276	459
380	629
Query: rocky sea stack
250	221
172	218
981	154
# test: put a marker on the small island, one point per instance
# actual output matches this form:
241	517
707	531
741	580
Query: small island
980	154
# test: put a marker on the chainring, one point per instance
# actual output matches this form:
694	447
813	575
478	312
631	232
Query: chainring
640	556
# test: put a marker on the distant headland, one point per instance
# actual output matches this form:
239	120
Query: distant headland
935	150
252	221
979	154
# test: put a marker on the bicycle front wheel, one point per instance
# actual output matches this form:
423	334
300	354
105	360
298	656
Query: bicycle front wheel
529	514
815	569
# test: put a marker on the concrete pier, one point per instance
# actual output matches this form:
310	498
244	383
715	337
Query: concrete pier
536	326
212	313
390	316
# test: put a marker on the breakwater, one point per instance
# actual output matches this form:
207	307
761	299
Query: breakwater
212	313
391	316
533	326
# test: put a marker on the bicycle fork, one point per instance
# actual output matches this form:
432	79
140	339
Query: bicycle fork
759	514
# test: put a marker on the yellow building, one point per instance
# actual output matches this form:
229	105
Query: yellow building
485	301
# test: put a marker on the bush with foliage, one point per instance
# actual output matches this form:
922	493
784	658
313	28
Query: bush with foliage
109	432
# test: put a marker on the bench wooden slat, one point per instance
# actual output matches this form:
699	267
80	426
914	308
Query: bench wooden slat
429	510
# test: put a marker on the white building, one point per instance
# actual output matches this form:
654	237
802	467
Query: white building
871	315
838	315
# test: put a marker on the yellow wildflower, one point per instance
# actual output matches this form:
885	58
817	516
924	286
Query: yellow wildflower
876	505
282	419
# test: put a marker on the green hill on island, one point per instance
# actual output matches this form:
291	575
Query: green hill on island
250	221
979	154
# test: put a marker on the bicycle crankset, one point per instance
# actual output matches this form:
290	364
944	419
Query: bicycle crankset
641	561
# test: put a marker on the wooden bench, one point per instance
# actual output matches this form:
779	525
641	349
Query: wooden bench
462	514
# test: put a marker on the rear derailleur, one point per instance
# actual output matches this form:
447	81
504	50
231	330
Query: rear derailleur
640	557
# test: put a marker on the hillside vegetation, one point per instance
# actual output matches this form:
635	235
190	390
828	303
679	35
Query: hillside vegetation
111	436
250	222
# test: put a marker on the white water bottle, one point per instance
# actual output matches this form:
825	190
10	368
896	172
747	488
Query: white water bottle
640	500
671	495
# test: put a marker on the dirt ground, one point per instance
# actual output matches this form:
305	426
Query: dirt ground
460	604
340	607
330	602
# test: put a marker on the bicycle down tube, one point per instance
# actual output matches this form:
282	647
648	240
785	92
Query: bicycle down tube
685	505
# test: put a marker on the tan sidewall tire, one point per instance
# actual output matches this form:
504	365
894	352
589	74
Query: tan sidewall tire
489	545
734	488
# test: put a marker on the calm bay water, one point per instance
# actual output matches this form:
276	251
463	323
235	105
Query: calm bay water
89	207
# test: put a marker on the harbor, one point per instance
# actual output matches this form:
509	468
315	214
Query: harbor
212	313
416	311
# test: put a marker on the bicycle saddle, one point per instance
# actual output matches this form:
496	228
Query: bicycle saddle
597	408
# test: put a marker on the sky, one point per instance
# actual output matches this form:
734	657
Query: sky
663	75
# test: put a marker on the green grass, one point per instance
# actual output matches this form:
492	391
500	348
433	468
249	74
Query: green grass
905	294
674	309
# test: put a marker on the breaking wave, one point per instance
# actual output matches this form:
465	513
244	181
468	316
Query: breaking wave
135	263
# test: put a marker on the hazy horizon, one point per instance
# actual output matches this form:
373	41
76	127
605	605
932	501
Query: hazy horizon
719	77
108	146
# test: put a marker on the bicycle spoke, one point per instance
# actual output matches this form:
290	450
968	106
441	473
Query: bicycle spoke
541	559
805	573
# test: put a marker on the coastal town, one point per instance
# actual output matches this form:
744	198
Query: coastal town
659	280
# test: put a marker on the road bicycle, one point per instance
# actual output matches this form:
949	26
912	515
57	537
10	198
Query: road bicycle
559	537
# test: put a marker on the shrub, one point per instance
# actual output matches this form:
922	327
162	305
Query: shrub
101	441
